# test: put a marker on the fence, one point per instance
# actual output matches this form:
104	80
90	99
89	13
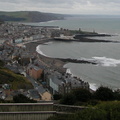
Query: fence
26	111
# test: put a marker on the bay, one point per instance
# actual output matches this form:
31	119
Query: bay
107	55
106	73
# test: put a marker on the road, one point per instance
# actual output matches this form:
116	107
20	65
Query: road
36	86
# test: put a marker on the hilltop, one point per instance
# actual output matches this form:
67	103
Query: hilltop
29	16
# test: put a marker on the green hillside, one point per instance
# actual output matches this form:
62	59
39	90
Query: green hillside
15	80
29	16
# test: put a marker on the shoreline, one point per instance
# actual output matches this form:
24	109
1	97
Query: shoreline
52	63
85	39
55	63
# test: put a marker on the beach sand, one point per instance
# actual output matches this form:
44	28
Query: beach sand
51	63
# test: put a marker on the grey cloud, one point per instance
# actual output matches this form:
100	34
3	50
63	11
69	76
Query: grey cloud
61	2
73	6
104	1
9	1
78	1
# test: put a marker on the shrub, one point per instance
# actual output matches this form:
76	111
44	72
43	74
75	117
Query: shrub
104	94
82	95
68	99
22	99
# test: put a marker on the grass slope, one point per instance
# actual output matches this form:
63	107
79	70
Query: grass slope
15	80
29	16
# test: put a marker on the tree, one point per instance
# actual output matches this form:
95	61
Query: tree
112	109
104	94
117	95
82	95
90	114
20	98
68	99
57	96
104	111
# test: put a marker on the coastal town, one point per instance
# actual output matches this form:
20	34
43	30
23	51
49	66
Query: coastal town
59	60
18	44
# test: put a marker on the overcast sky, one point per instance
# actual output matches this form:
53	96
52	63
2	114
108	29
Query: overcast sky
111	7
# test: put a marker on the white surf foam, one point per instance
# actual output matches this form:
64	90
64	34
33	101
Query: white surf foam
48	43
51	21
104	61
39	51
69	71
93	86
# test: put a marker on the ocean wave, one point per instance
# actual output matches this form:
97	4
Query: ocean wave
51	21
104	61
69	71
48	43
93	86
39	51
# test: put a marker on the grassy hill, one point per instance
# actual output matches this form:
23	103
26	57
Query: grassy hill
15	80
29	16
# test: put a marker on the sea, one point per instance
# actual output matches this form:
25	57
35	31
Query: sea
106	55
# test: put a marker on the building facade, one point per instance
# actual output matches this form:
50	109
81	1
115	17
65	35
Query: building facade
34	71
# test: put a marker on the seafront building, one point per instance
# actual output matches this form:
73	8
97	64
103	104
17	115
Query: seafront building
34	71
58	83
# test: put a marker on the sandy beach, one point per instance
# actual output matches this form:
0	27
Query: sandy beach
54	63
49	62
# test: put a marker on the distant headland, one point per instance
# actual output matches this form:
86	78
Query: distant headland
29	16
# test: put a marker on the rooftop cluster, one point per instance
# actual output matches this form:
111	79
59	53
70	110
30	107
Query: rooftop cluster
46	78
